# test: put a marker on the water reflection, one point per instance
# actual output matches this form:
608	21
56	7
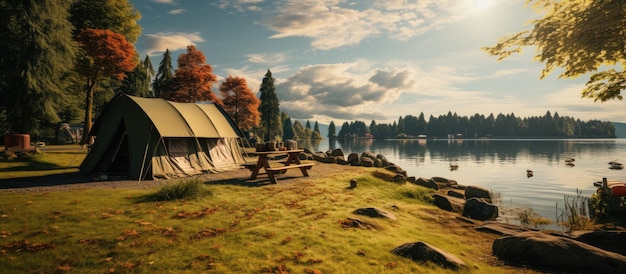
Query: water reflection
479	150
502	165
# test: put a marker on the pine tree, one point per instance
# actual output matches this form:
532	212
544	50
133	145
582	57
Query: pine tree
332	130
36	50
270	113
164	76
288	132
137	82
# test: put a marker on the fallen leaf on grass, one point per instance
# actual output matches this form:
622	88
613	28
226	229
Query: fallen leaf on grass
128	234
312	271
64	268
143	223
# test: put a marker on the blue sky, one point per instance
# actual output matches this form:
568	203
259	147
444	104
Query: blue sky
339	61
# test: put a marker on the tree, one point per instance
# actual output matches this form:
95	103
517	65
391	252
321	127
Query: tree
240	103
137	82
104	54
162	80
36	50
118	16
270	113
193	79
288	132
332	130
580	37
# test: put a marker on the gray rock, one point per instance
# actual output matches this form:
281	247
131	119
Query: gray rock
478	192
378	163
423	252
368	154
449	203
353	157
429	183
455	194
559	254
479	209
445	181
366	162
374	212
614	241
336	152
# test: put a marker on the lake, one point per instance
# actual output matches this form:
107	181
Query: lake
500	165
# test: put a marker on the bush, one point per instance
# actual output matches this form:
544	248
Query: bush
185	189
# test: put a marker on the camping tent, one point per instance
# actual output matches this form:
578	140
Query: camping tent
149	138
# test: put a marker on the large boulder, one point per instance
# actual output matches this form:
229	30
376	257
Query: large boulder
378	163
614	241
478	192
336	152
429	183
383	159
366	162
423	252
353	157
368	154
445	181
504	229
449	203
479	209
559	254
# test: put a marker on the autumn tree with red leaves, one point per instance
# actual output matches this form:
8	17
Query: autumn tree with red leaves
240	102
103	54
193	79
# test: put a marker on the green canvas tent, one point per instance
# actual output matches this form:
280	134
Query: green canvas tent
147	138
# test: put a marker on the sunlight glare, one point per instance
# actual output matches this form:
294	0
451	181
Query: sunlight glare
479	5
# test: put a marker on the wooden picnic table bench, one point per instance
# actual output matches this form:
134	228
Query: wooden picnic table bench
263	167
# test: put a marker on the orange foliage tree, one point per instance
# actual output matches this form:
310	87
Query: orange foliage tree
193	79
104	54
240	102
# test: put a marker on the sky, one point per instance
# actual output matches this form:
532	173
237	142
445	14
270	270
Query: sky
336	60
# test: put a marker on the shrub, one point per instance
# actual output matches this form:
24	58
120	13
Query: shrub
184	189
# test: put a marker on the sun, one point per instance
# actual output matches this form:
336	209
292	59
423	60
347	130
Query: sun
479	5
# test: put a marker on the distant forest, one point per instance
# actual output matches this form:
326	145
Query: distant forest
479	126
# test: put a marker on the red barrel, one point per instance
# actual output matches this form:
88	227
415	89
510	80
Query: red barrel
21	141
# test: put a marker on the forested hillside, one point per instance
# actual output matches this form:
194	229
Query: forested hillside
479	126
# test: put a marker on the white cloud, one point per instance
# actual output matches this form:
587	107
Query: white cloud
177	11
330	24
159	42
170	2
266	58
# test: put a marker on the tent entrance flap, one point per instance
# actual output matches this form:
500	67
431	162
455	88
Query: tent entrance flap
117	158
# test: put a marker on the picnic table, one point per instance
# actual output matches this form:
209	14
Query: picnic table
263	164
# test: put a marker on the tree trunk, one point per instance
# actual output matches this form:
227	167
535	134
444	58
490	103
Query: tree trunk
91	88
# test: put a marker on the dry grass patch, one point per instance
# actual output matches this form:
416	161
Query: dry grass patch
293	227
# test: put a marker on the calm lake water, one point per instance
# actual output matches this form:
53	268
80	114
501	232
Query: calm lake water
500	165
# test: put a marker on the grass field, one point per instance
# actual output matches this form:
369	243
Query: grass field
52	160
285	228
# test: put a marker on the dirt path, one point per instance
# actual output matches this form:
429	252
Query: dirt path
73	181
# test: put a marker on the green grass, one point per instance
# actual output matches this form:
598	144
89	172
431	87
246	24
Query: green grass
294	228
52	160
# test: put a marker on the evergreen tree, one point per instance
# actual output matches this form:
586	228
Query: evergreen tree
137	81
288	131
316	127
165	74
374	129
270	113
308	124
36	50
298	130
331	130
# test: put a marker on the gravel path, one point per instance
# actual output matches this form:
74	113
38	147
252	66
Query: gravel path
73	181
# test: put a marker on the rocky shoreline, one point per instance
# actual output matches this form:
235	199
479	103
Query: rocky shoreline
577	252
